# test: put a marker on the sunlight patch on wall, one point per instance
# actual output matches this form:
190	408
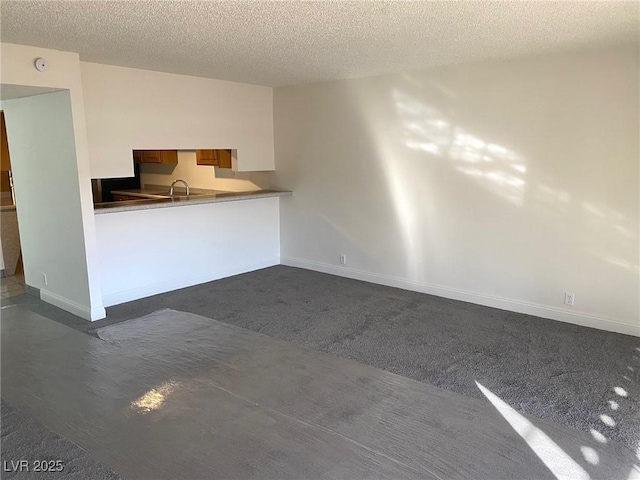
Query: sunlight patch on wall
619	262
497	168
551	195
415	212
408	218
611	228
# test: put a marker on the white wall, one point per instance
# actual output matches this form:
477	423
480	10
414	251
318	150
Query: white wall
64	73
501	183
130	109
202	176
145	252
42	146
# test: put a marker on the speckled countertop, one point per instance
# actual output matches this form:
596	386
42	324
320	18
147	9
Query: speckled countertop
149	200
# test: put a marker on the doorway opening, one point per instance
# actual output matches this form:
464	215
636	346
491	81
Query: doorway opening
12	268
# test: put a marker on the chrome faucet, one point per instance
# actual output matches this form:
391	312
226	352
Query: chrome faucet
176	181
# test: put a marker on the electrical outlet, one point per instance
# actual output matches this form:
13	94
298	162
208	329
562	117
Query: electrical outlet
44	278
343	259
569	298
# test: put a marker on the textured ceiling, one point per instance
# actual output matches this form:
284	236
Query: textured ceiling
285	43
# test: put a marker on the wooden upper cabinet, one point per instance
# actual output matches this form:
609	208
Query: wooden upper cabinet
216	158
224	158
155	156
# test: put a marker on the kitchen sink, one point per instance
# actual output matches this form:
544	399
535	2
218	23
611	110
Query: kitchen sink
182	195
157	194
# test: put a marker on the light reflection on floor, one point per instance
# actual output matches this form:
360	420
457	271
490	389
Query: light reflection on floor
554	457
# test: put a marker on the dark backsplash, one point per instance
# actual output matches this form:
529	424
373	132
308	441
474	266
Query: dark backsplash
102	187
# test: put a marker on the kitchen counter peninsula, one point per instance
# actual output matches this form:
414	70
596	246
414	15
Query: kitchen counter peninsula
145	247
151	198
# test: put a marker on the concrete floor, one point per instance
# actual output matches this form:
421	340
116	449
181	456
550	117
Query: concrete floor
177	395
23	439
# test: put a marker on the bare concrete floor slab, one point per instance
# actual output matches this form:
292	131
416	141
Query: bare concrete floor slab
31	451
177	395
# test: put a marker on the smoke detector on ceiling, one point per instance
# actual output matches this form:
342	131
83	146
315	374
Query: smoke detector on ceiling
42	64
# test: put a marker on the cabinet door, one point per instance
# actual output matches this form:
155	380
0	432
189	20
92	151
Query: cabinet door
206	157
151	156
155	156
224	158
216	158
168	156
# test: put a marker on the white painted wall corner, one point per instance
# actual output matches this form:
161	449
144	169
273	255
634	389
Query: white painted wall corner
92	314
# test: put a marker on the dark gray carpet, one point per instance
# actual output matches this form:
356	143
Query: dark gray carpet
24	439
557	371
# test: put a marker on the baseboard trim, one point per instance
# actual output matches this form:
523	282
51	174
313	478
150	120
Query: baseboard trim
123	296
82	311
538	310
33	291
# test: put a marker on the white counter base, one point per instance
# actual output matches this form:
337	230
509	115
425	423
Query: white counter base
152	251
